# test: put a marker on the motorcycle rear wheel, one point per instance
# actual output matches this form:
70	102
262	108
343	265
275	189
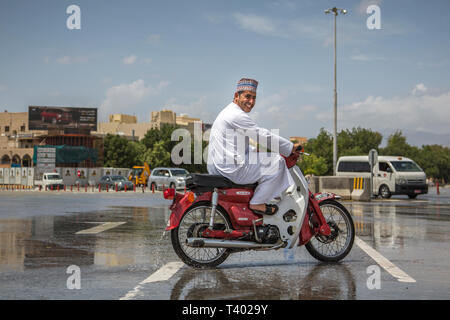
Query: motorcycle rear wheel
336	246
195	219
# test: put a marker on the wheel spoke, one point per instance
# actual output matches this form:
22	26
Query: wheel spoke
334	244
200	216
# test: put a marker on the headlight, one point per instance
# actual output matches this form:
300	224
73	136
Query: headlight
401	181
180	179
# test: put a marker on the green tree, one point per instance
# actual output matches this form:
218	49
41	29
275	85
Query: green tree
157	156
163	134
139	149
435	160
396	146
313	165
118	152
321	147
358	141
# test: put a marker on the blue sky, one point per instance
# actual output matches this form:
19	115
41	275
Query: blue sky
135	57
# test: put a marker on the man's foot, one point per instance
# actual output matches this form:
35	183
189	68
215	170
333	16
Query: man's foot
269	209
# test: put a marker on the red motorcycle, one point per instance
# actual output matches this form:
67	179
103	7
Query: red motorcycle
212	219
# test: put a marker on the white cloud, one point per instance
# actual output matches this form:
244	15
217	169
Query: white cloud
213	18
132	59
365	58
317	29
419	88
153	38
362	6
254	23
129	59
68	59
426	112
196	109
308	108
124	96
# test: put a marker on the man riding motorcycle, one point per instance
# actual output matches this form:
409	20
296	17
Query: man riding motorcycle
231	155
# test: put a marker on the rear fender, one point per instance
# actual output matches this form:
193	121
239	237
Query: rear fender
179	207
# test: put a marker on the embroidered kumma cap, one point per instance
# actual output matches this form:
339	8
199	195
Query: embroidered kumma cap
246	85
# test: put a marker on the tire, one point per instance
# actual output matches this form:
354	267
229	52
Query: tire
412	196
199	258
384	192
320	247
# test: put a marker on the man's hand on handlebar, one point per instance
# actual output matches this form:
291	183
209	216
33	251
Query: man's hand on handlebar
297	149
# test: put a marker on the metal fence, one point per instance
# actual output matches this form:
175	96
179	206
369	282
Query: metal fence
26	176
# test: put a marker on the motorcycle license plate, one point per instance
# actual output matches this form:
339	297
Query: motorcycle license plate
417	191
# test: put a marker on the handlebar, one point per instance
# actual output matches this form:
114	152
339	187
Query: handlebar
300	150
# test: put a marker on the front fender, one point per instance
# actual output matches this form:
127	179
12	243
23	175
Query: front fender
319	197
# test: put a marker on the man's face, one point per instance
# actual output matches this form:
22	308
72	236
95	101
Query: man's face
246	100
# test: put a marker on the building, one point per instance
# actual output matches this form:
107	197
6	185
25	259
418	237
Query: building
122	118
301	140
170	117
127	126
123	125
163	116
17	142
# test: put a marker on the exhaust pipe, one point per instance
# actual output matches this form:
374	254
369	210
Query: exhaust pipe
218	243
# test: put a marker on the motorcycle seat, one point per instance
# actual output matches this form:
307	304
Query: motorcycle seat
207	182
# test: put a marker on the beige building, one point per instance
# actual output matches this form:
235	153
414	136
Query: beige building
16	141
126	125
122	118
170	117
301	140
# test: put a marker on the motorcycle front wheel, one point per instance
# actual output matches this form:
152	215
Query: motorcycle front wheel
338	244
193	222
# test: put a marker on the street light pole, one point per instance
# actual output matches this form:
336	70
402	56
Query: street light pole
335	12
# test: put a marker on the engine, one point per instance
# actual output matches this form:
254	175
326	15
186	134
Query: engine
268	234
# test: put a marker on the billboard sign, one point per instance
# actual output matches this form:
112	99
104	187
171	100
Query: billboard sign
44	118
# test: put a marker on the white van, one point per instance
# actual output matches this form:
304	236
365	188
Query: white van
392	175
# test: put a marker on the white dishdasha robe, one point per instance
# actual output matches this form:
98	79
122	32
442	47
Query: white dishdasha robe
231	155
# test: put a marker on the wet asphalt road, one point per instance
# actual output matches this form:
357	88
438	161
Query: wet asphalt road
42	236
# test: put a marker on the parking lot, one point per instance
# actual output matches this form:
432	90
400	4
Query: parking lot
61	245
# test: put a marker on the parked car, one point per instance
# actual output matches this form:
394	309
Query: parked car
174	178
113	181
51	180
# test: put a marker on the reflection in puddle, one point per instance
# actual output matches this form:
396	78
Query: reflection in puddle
319	282
381	223
50	241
